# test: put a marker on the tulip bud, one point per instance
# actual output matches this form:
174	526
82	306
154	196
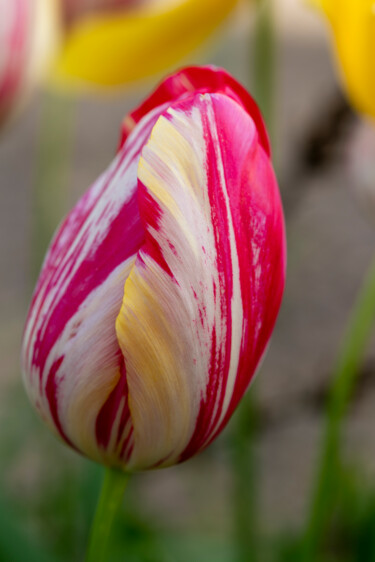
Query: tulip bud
28	37
160	290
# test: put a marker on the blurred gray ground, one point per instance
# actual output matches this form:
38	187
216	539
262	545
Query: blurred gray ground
330	244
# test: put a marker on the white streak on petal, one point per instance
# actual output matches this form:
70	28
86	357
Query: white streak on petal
105	198
236	304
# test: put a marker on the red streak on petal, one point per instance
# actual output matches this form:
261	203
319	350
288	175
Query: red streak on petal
128	447
123	240
257	219
51	394
108	413
211	405
150	215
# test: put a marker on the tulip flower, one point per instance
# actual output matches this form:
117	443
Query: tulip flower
160	290
28	38
114	42
353	26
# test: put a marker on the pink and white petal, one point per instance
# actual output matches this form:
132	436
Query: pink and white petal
90	374
186	323
66	347
259	231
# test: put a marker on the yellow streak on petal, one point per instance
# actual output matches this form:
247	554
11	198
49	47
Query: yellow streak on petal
83	411
156	327
183	168
89	346
150	346
117	49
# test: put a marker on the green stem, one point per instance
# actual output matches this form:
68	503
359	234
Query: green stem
244	466
264	63
52	165
245	500
349	361
110	499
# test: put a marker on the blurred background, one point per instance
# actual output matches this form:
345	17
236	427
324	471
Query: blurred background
186	512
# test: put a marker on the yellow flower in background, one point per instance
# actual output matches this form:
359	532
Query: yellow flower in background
75	9
115	42
82	43
353	25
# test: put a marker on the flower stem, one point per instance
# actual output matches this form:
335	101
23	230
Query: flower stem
245	497
349	361
110	498
264	62
243	456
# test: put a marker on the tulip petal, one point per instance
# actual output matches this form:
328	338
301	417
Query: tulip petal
116	49
192	80
202	298
70	351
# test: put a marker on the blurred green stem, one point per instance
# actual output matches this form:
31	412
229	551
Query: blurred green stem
52	167
264	63
110	499
244	470
245	497
349	361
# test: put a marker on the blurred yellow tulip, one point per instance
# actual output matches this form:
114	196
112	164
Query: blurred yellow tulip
85	43
353	25
72	10
113	42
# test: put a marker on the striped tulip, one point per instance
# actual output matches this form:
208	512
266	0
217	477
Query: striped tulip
160	290
28	36
353	26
